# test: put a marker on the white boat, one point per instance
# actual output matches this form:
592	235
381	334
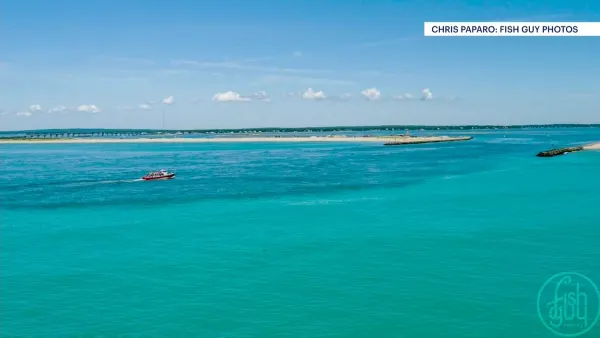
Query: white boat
158	175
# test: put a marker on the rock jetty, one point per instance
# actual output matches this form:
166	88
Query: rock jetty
556	152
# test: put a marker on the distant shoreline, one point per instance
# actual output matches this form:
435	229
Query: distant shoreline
380	139
353	128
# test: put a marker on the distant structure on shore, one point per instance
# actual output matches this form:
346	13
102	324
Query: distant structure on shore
129	133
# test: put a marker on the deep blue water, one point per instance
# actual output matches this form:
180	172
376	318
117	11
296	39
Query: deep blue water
295	240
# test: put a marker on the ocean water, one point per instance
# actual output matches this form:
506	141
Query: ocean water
295	240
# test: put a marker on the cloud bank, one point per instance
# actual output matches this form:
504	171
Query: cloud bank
229	96
58	109
371	94
168	100
426	94
310	94
88	108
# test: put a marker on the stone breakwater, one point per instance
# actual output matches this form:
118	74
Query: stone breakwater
556	152
562	151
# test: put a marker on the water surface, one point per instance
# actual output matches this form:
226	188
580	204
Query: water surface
295	240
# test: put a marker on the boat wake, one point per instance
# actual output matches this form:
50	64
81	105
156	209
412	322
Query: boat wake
63	183
121	181
92	183
65	187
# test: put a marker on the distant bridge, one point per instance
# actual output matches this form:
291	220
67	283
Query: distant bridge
129	133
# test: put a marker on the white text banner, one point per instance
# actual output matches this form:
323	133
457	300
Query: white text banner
512	28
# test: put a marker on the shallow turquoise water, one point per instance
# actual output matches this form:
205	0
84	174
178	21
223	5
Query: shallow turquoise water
295	240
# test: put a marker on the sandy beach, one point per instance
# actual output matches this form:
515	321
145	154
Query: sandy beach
593	146
379	139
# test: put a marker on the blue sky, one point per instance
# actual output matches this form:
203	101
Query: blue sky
229	64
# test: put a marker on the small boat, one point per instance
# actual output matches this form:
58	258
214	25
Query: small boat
158	175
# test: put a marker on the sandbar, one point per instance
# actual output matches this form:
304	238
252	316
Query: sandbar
592	146
380	139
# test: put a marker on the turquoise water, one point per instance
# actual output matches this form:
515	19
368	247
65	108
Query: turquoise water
295	240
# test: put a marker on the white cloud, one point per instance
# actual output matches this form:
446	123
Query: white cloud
310	94
426	94
57	109
229	97
371	94
340	97
405	96
35	107
168	100
89	108
261	96
24	113
145	106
